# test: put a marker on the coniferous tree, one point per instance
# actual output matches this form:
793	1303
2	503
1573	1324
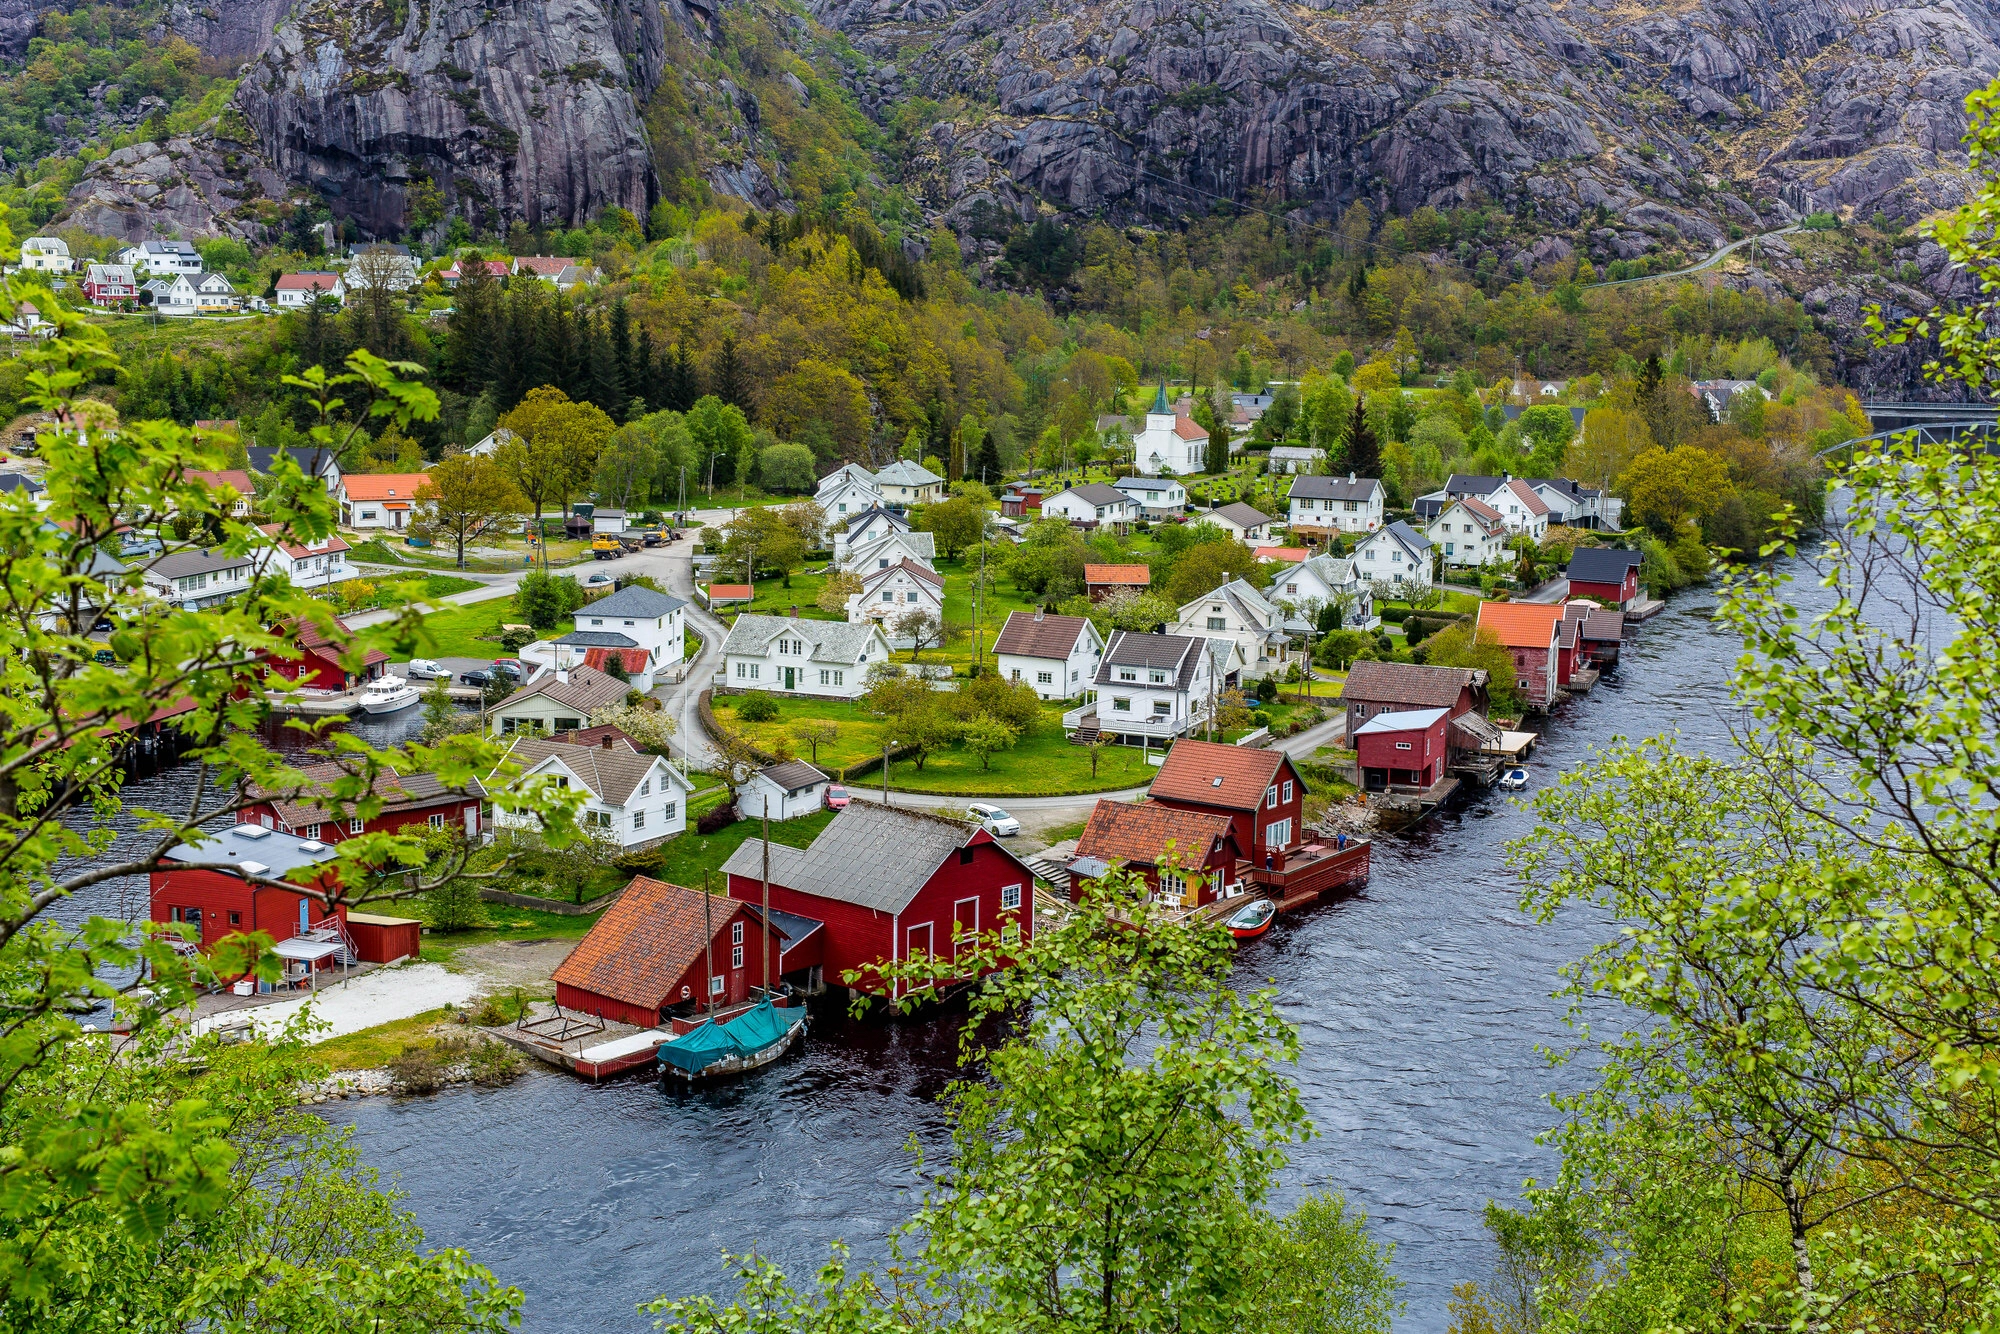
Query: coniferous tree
725	376
599	371
560	339
1364	453
985	465
474	349
683	385
621	358
645	383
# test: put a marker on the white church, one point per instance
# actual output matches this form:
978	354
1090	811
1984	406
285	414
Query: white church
1171	443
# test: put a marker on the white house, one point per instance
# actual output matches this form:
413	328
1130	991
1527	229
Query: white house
611	521
191	580
1323	506
848	490
1093	505
1155	497
1470	533
169	295
801	657
492	443
1170	442
378	499
865	527
45	254
1524	511
296	291
1393	556
631	799
214	294
890	594
1577	506
392	265
1057	655
782	791
1251	527
11	482
892	549
1151	688
646	630
163	258
1239	613
907	483
1290	460
1326	581
314	462
307	564
556	701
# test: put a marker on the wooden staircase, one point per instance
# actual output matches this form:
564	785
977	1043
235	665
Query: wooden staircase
1087	731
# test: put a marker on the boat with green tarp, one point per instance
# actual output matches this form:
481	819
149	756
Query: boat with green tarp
751	1039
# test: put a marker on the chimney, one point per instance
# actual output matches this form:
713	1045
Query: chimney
1350	477
562	675
605	741
1038	616
794	611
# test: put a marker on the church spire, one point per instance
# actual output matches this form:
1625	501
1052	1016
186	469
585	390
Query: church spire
1160	401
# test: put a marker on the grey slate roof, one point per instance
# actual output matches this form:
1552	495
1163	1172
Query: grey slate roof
634	600
1179	654
611	774
1471	484
1242	515
586	689
905	473
1097	493
872	856
1410	537
792	775
1146	484
310	461
832	641
597	639
1334	488
277	852
855	522
921	545
16	481
195	562
1603	565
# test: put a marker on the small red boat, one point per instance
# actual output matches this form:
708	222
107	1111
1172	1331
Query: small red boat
1252	919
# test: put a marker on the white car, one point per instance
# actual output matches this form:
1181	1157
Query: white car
596	579
994	820
423	669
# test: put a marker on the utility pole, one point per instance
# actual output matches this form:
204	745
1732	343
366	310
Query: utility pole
766	932
978	595
708	946
886	746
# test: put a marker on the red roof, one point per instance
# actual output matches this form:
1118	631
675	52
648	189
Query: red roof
1186	429
547	266
333	544
1521	624
311	638
645	941
1484	510
728	592
1533	503
1139	576
1142	833
308	282
1193	768
235	479
1292	555
600	658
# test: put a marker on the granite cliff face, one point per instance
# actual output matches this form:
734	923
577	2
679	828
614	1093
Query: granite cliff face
1611	119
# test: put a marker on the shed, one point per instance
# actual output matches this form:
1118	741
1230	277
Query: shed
783	791
380	939
1406	750
664	948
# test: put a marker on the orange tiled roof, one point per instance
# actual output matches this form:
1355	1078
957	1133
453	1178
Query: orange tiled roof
1118	574
382	485
1187	429
235	479
1292	555
1521	624
1193	766
644	942
1142	833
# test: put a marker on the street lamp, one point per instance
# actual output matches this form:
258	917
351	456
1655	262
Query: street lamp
887	745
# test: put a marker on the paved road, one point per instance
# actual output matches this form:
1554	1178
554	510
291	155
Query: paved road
1722	253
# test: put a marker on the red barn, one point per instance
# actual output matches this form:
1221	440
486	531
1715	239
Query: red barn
1402	749
653	955
1187	856
890	884
222	902
1396	687
1528	631
316	655
1609	575
407	799
1259	790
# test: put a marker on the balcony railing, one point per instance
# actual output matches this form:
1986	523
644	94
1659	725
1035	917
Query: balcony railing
1164	727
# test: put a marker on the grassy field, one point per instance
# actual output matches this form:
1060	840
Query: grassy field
372	1048
400	588
137	339
473	631
691	855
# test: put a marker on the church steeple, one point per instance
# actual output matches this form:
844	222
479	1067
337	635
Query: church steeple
1160	401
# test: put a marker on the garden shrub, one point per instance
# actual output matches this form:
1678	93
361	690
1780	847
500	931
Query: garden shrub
757	707
719	818
516	639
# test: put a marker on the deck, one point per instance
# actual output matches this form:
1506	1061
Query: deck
1515	746
1310	873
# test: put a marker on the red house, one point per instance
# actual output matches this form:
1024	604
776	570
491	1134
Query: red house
316	659
1529	631
1101	581
1607	575
1258	790
1187	856
891	884
1021	502
407	799
1394	687
1406	750
223	902
654	955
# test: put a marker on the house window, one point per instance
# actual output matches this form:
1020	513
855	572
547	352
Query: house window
754	670
312	832
1121	705
1010	934
1127	674
1288	790
840	678
354	825
667	813
1160	708
368	514
715	985
1157	678
1172	887
1278	833
1292	587
1010	897
1402	745
596	621
646	789
236	919
736	933
437	820
742	670
1271	798
1072	676
888	597
736	957
638	819
1045	678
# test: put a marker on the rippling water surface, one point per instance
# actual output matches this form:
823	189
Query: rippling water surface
1421	1005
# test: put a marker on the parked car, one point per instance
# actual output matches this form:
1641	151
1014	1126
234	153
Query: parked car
836	797
423	669
1514	780
597	580
510	667
105	656
479	678
994	820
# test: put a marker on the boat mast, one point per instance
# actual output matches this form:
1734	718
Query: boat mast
766	932
708	949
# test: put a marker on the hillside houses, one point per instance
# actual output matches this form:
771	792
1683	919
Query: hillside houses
795	656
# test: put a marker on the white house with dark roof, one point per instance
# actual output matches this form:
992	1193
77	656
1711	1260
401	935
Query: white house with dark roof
646	630
888	595
313	462
1326	581
848	490
794	656
1577	506
162	258
907	483
864	527
890	550
1155	497
1170	443
191	580
1057	655
1393	557
1322	506
1236	611
630	799
556	701
1469	534
1093	505
1245	523
11	482
1150	688
782	791
169	294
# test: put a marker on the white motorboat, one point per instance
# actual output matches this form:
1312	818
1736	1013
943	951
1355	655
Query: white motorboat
389	694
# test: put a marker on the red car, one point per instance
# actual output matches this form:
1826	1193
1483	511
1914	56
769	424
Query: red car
836	796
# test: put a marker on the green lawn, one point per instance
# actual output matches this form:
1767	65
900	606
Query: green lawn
472	631
401	588
691	855
860	731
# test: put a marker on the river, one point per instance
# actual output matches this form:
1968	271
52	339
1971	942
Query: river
1422	1004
